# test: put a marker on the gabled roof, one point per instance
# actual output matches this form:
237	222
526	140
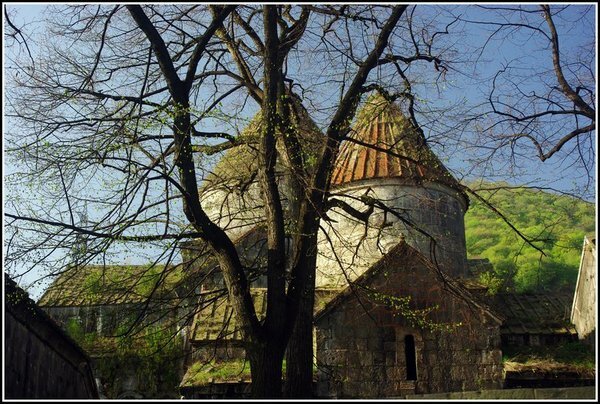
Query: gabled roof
217	321
536	313
385	144
94	285
398	257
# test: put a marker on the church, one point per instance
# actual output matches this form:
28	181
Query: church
397	309
409	256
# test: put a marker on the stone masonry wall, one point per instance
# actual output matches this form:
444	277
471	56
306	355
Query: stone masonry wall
360	344
434	208
346	245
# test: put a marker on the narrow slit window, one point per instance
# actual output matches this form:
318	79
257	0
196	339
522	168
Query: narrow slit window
411	357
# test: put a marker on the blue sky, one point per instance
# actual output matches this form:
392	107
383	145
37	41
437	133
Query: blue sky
556	173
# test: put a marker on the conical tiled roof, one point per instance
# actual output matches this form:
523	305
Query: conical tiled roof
384	144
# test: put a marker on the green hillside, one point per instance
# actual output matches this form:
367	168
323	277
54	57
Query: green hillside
558	223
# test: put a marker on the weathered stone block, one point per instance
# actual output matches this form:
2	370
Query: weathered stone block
362	332
491	384
378	358
454	385
361	344
351	389
406	392
459	373
332	357
462	357
374	343
365	358
388	334
430	345
323	389
514	394
488	372
588	392
389	346
355	372
496	356
406	385
391	372
370	389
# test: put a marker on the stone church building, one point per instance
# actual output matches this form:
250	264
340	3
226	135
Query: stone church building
392	317
396	312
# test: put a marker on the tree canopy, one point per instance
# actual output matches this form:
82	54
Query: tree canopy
558	223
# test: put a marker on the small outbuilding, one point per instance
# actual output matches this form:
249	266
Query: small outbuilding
41	360
583	313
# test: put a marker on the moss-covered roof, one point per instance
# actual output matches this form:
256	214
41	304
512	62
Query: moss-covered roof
204	373
239	164
540	313
92	285
216	319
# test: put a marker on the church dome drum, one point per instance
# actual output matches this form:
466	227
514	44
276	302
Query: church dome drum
386	162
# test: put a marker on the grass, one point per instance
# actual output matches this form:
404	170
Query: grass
202	373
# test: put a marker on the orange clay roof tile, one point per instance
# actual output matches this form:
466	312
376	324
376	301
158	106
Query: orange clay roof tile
384	144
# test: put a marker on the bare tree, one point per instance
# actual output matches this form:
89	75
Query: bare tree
115	105
127	107
536	67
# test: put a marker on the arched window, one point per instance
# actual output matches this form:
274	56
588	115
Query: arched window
411	357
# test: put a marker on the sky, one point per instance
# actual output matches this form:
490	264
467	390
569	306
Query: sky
555	174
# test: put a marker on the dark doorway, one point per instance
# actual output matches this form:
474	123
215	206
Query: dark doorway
411	357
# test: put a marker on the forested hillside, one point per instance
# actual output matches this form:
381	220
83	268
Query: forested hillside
557	223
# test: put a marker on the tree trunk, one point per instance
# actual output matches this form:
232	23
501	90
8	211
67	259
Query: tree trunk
300	347
265	367
299	369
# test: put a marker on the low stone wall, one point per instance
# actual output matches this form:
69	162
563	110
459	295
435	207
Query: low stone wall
218	391
540	378
566	393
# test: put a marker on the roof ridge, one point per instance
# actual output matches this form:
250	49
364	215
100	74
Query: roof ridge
403	249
